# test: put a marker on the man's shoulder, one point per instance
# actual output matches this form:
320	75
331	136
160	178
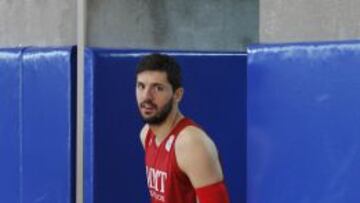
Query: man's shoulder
144	129
191	136
143	133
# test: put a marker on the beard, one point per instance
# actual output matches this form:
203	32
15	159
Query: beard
160	116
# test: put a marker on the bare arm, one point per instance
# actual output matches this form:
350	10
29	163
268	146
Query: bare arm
197	157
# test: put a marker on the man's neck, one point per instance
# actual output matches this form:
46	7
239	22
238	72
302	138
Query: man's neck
162	130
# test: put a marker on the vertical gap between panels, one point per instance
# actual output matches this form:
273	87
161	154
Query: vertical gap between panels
81	42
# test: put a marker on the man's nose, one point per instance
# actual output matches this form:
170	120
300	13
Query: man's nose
148	93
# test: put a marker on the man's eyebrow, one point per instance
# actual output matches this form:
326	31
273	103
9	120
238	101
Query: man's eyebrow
157	84
152	84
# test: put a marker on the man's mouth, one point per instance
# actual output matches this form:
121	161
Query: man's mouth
148	107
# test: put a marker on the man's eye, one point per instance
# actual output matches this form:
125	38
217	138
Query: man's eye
140	86
159	88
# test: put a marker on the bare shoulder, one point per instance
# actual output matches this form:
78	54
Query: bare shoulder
143	133
197	156
193	137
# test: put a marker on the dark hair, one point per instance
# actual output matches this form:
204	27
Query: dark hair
162	63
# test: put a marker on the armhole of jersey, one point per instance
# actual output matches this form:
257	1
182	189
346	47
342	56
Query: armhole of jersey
188	124
176	164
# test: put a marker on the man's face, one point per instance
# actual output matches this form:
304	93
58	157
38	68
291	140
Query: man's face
154	96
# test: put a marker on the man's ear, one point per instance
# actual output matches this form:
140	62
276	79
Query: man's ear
179	92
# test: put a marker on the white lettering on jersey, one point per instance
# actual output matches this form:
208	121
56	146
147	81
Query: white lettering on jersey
156	179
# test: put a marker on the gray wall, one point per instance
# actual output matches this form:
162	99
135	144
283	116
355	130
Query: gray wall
37	22
173	24
178	24
309	20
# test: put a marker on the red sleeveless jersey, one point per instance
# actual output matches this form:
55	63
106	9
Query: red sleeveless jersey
166	182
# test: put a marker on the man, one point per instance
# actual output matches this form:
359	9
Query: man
182	163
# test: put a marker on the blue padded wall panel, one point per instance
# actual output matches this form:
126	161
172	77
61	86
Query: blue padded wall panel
215	97
215	89
10	72
114	159
304	123
48	130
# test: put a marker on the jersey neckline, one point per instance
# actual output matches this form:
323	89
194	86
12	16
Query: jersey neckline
171	132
